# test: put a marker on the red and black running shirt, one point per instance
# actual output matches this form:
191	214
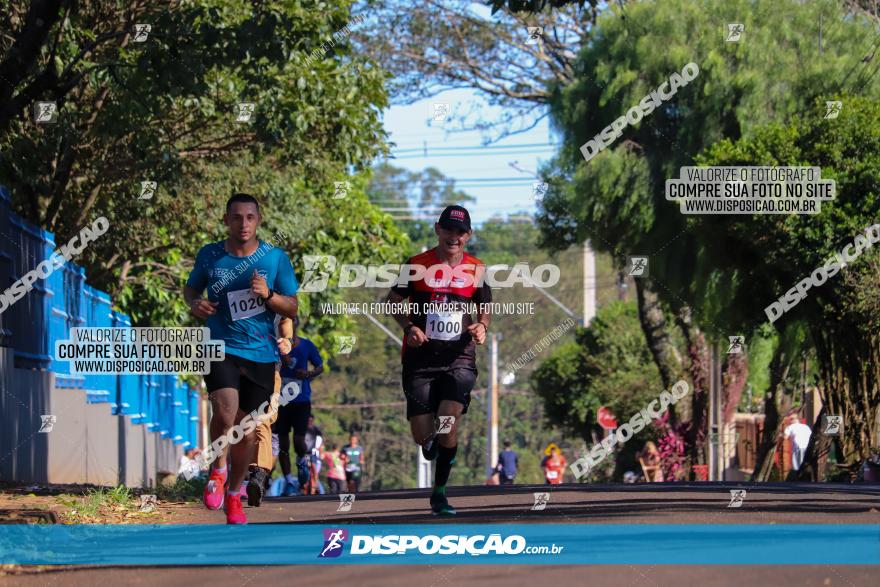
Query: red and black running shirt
449	343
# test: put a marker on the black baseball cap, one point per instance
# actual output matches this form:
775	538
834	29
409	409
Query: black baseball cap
455	217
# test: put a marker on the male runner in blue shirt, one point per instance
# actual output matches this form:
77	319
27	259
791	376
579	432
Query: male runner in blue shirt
248	282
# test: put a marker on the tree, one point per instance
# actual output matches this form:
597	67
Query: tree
608	365
775	252
617	198
165	109
440	45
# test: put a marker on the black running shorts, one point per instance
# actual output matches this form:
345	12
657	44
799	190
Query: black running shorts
294	416
255	382
425	389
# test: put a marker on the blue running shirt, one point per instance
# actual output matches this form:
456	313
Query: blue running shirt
242	320
304	353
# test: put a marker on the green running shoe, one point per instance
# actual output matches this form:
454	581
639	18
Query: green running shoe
440	505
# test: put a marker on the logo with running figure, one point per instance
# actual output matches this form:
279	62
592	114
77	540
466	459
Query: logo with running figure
346	500
148	190
734	32
541	501
736	344
345	344
141	32
737	497
340	189
446	423
334	542
638	266
833	424
832	109
47	422
318	268
45	112
536	34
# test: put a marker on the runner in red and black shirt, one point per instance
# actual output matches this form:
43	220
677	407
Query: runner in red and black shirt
446	285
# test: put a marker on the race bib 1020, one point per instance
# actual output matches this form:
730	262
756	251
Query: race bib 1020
244	304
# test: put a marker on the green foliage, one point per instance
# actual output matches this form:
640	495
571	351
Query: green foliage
609	365
164	110
760	348
771	253
617	198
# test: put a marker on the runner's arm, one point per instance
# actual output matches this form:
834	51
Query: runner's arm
483	298
316	360
283	301
285	327
284	305
198	306
190	295
402	318
285	333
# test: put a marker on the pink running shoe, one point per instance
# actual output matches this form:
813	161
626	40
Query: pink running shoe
214	490
234	511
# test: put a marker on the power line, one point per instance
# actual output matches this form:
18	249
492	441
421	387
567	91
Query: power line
430	156
479	148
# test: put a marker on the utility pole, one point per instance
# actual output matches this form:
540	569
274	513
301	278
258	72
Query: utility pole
712	429
716	425
492	406
425	473
589	284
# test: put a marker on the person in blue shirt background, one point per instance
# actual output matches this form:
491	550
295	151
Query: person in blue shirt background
507	464
295	415
248	282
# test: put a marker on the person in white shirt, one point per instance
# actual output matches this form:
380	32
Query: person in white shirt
189	466
800	435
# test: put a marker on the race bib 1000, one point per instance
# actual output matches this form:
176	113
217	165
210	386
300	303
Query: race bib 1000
444	325
244	304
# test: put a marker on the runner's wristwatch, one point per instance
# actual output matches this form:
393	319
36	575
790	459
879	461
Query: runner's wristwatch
271	293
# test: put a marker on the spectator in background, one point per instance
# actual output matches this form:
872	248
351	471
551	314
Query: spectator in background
335	470
353	457
800	438
506	467
649	458
314	444
189	465
554	466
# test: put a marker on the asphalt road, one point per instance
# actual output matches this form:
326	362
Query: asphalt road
703	503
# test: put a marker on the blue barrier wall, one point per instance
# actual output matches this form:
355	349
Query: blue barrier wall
33	324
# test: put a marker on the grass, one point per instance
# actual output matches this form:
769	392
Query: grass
100	505
182	490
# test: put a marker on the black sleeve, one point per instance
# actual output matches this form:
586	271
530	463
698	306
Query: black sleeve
483	295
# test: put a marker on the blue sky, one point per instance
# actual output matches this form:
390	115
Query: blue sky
410	127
